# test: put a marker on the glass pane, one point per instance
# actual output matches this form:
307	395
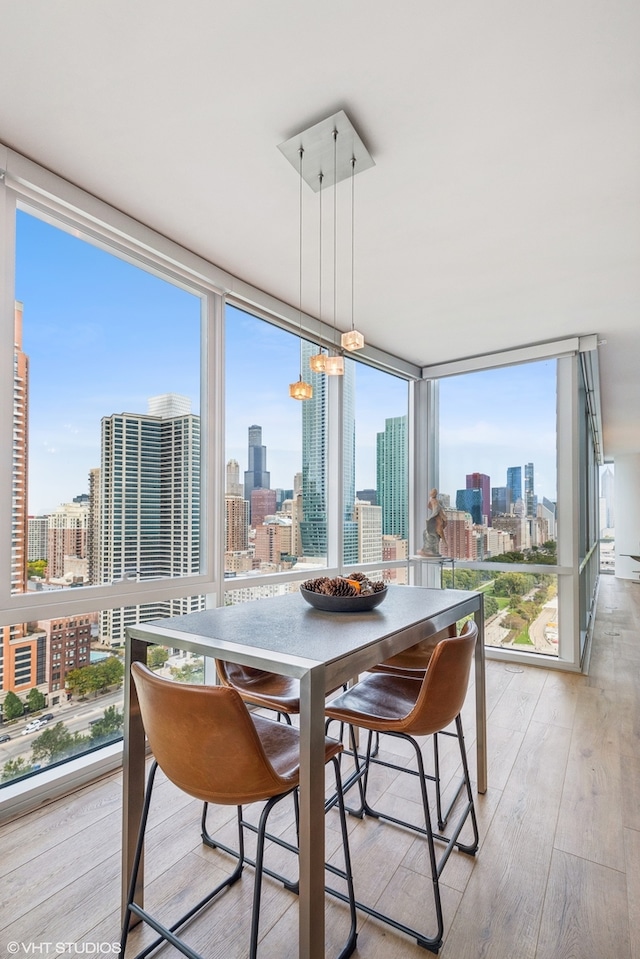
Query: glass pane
275	496
607	520
498	464
106	417
496	500
64	683
380	453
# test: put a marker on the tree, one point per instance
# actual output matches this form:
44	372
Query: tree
109	726
491	606
13	707
36	700
157	656
37	568
14	768
57	742
78	681
112	670
190	672
512	584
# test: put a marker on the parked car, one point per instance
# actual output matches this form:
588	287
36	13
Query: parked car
4	738
32	726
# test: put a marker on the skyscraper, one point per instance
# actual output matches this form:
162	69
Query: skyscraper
482	482
313	526
607	482
257	476
528	490
68	542
391	476
470	501
22	654
500	500
514	483
150	504
233	485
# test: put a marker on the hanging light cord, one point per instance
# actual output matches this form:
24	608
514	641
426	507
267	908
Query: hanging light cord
353	230
300	248
321	178
335	232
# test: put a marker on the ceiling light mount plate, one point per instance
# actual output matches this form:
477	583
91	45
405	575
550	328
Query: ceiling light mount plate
317	143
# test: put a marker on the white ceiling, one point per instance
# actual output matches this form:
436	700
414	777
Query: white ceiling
504	206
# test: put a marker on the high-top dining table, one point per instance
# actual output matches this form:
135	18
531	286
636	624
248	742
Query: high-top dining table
323	650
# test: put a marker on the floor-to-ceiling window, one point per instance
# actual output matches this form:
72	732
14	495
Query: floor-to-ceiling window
498	490
102	388
376	415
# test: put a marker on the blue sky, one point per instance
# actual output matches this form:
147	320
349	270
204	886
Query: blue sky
103	335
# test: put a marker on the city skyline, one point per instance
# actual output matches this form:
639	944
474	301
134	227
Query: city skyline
126	335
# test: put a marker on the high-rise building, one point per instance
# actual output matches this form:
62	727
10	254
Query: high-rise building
313	525
369	522
273	542
607	487
233	485
500	500
22	653
38	538
514	483
263	503
68	542
257	476
482	482
529	503
368	496
20	459
392	454
93	532
547	511
236	524
470	501
150	505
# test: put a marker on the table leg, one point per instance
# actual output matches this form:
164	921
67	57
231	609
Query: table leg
481	701
312	789
133	767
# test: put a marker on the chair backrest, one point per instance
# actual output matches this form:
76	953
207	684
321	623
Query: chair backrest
418	655
205	741
445	683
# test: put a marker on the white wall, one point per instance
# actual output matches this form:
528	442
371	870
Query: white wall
627	513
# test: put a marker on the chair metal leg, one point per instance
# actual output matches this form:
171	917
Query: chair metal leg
452	841
166	934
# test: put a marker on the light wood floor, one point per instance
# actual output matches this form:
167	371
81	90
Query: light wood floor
557	875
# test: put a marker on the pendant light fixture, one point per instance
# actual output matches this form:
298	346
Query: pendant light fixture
300	390
353	340
334	365
318	362
334	138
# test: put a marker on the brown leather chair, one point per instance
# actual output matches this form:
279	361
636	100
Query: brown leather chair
208	744
405	707
411	663
258	687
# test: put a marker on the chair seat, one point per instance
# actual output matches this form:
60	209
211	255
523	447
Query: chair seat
281	744
381	701
260	687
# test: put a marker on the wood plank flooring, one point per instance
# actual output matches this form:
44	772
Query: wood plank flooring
557	875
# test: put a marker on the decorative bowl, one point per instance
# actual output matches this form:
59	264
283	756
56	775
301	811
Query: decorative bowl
343	604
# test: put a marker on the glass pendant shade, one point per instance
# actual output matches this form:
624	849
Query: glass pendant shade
334	366
300	390
353	340
318	363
